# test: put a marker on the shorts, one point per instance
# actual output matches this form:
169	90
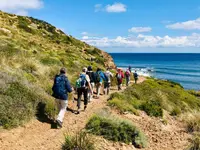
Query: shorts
106	85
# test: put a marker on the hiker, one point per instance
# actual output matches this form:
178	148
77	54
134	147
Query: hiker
127	75
119	76
135	75
100	77
91	75
83	87
61	88
129	68
107	82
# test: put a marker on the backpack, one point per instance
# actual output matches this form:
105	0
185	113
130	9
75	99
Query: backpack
127	73
135	75
119	76
98	77
81	82
107	76
91	76
59	85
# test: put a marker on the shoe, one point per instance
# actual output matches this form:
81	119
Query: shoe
78	111
85	107
59	123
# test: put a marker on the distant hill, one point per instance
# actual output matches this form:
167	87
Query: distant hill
32	52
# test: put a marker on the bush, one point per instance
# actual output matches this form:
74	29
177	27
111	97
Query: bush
115	129
19	101
80	141
193	123
154	96
152	108
195	142
29	66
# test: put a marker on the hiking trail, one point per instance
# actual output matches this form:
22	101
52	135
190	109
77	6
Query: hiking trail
37	135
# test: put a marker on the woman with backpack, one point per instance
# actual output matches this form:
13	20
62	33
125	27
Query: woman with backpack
100	77
128	75
119	76
91	75
107	82
61	88
83	87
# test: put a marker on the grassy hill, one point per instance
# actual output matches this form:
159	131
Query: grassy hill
32	52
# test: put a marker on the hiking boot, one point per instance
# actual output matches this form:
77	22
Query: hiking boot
78	111
85	107
59	123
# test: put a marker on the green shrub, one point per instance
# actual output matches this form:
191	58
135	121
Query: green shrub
152	108
29	66
80	141
115	129
154	96
19	101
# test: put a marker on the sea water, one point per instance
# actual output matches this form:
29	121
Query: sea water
181	68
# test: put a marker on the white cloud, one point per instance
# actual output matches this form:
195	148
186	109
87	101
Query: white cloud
85	37
20	7
114	8
84	33
145	41
188	25
140	29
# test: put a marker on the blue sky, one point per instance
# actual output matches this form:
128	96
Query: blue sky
121	26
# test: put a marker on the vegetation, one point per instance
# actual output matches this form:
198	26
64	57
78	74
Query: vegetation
195	142
153	96
80	141
116	129
32	52
193	123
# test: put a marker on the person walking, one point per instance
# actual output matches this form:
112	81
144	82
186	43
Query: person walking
91	75
83	87
107	83
119	76
61	88
100	77
127	75
135	75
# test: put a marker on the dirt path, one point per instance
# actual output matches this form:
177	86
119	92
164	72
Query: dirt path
37	135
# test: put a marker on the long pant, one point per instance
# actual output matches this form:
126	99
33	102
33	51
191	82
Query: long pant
135	80
82	91
106	87
98	86
119	84
90	92
127	80
62	106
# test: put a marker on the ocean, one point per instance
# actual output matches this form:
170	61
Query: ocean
182	68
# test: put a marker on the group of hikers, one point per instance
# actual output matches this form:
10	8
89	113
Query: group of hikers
85	85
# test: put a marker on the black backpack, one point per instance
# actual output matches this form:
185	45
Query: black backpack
91	76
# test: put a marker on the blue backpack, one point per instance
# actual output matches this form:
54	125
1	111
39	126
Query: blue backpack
81	82
59	85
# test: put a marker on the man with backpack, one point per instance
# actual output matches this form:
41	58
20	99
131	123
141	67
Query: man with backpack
127	75
100	77
135	76
83	86
119	76
107	81
61	88
91	75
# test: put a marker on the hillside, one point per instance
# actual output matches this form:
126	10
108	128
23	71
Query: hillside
32	52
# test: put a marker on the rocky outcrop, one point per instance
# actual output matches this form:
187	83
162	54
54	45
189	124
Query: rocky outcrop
109	62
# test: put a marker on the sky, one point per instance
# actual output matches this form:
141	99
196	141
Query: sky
161	26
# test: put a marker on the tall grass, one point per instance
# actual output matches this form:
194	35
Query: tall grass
80	141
